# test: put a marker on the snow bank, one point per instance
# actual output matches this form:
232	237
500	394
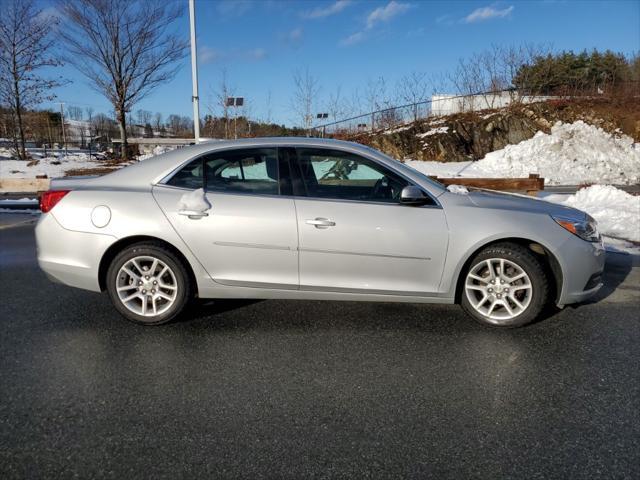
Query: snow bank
572	154
617	212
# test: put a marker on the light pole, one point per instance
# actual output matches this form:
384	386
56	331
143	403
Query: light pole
194	72
235	102
322	116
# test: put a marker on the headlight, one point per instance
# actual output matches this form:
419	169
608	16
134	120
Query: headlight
586	229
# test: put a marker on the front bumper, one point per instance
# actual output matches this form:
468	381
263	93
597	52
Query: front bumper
70	257
582	266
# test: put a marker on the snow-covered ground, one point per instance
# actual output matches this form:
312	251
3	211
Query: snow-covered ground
572	154
52	166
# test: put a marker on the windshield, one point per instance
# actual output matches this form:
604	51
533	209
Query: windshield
404	168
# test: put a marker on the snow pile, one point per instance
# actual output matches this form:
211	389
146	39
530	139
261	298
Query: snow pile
195	200
617	212
572	154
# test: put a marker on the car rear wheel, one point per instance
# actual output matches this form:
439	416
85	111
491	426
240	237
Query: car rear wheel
148	284
505	286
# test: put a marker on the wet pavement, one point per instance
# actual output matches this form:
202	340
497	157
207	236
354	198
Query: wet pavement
292	389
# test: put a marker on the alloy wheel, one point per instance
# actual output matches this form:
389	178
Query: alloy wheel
146	286
498	289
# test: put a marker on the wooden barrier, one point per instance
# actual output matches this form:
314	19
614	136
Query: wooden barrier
532	185
27	185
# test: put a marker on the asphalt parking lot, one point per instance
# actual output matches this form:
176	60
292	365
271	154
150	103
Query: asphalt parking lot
289	389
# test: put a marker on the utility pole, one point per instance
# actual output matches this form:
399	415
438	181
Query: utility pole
194	72
64	135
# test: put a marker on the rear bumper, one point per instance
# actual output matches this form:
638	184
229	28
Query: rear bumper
582	267
69	257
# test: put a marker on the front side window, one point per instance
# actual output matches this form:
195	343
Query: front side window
244	171
345	176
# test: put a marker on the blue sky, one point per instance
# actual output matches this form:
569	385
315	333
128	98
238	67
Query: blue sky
345	43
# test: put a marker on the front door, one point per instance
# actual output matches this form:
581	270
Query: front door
249	236
355	236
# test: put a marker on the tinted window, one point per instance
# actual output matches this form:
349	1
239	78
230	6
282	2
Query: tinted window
243	171
342	175
190	176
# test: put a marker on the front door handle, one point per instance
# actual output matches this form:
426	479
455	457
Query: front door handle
321	222
193	213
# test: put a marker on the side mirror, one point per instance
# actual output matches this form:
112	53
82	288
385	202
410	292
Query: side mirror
412	195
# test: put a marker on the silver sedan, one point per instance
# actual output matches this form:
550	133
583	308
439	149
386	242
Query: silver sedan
301	218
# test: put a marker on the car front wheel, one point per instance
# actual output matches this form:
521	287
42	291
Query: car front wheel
505	286
148	284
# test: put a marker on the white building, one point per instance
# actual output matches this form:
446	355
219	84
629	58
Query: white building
448	104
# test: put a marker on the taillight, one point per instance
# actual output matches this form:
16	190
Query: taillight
49	199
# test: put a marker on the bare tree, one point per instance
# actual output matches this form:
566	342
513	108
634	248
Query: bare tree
221	98
25	48
338	106
75	113
143	117
413	88
157	121
305	93
124	48
377	98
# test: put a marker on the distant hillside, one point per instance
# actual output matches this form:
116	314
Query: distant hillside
470	136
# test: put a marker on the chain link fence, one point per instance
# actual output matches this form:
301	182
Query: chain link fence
403	115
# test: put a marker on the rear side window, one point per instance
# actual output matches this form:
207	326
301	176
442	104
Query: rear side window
190	176
252	171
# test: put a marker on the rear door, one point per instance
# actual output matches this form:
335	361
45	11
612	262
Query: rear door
354	235
249	235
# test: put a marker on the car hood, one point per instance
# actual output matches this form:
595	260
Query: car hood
522	203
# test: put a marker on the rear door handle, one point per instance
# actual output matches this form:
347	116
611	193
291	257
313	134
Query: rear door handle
193	213
321	222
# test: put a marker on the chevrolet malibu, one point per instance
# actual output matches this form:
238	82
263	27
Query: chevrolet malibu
304	218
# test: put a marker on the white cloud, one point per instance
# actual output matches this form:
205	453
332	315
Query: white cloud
386	13
293	38
353	39
256	54
332	9
208	54
50	14
375	17
487	13
233	8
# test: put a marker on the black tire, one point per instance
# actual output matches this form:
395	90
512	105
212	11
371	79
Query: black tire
531	265
184	291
